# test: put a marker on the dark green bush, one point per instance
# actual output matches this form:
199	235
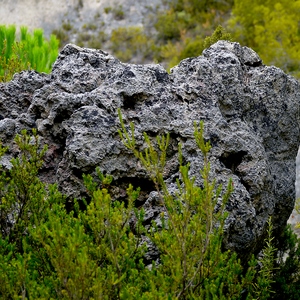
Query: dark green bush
128	42
67	26
287	273
167	27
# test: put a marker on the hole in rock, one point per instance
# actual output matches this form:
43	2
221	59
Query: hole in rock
128	73
151	133
161	76
95	63
146	186
214	139
66	76
62	116
78	173
130	101
233	159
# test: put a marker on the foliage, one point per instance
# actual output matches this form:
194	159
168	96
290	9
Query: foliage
118	12
167	26
41	53
128	42
271	28
67	26
191	16
219	34
12	65
108	9
31	51
192	263
262	289
96	250
89	26
47	252
21	192
183	27
94	254
286	278
23	201
92	40
187	47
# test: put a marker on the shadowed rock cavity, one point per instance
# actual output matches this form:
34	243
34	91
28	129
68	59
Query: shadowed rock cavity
250	113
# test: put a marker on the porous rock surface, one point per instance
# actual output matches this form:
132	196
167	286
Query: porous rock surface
250	113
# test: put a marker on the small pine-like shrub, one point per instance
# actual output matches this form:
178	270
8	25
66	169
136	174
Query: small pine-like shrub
286	277
219	34
192	263
41	53
21	192
96	250
11	65
29	51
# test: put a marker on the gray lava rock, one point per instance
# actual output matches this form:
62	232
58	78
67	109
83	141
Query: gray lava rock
251	115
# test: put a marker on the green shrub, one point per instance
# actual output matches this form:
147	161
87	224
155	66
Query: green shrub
118	12
192	263
262	287
91	40
271	29
41	53
182	28
67	26
108	9
62	35
24	201
30	51
13	64
89	26
21	192
219	34
190	47
96	250
286	283
167	27
128	42
48	252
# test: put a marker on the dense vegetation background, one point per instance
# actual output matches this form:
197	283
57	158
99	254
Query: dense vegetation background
98	249
176	29
271	28
95	250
